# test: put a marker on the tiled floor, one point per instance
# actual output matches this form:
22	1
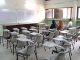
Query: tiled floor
5	54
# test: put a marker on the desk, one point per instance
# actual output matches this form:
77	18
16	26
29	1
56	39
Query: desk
25	31
25	40
23	28
33	30
6	30
21	35
14	33
64	31
61	38
16	29
72	28
51	45
33	35
52	30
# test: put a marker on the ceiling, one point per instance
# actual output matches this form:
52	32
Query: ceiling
19	4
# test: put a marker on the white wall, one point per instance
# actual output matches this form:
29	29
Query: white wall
61	3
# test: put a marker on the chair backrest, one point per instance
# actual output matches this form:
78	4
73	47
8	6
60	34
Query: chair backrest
56	33
21	36
69	36
60	56
39	38
16	30
13	36
6	34
21	44
30	49
51	35
33	27
25	32
23	28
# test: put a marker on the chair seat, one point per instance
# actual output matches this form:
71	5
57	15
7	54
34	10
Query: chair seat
14	43
22	51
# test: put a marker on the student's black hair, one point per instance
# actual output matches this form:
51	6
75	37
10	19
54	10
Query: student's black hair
70	19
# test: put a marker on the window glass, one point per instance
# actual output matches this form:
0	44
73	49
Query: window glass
64	13
69	13
53	13
48	13
78	12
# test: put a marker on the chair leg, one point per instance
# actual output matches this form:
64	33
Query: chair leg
70	55
23	57
7	44
36	55
44	48
17	56
2	41
10	47
27	57
73	46
13	49
38	44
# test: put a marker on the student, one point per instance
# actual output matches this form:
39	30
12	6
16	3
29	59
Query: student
70	23
53	25
60	25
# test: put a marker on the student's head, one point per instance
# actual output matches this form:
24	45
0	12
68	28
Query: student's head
70	19
60	25
53	21
60	21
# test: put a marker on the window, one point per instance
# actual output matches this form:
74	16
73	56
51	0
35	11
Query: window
53	13
78	12
66	13
48	13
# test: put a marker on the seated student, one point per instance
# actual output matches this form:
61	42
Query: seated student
60	25
53	25
70	23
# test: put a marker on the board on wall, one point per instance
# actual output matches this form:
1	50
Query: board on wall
13	17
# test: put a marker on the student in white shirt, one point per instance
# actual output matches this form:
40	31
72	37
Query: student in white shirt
70	23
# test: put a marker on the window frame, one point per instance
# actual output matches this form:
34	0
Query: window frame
62	7
78	12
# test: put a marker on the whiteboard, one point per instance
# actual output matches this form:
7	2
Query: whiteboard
15	17
8	17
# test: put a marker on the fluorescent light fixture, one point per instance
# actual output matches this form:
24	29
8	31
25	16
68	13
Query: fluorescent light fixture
2	2
30	4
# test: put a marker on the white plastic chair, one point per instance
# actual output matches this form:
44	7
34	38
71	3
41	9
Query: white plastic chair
27	52
6	35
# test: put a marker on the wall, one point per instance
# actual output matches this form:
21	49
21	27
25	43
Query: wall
61	3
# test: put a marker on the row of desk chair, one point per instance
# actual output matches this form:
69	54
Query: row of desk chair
44	38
